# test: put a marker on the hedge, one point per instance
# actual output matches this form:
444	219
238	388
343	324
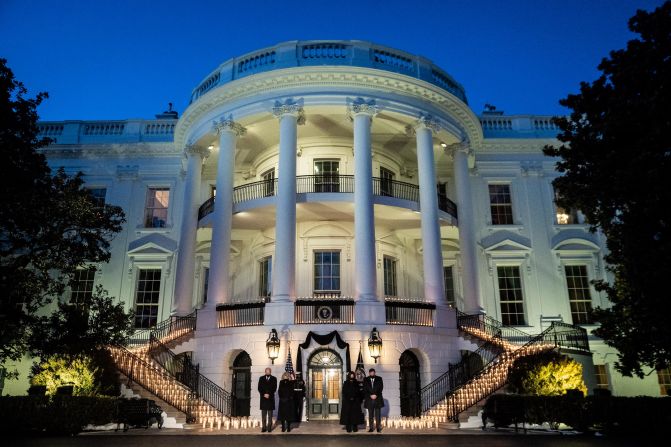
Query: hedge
607	414
54	415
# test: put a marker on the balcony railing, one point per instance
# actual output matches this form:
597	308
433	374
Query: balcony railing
329	184
409	313
319	310
240	314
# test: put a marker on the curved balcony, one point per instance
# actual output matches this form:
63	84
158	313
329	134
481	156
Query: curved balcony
352	53
382	187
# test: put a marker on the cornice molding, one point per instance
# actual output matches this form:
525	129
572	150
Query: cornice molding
509	145
367	80
111	150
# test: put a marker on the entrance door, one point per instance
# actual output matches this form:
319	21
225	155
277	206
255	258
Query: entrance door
325	377
242	385
410	385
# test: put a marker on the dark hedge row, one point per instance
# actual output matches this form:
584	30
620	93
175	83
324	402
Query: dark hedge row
58	414
607	414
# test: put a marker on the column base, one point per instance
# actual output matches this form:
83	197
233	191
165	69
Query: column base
369	312
278	313
207	318
445	317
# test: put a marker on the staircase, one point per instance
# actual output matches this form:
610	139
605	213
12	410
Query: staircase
149	362
485	371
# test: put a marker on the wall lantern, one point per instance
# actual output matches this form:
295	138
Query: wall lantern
375	344
273	346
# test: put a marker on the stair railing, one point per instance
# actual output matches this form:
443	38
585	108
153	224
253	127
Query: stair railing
133	366
167	330
558	335
181	368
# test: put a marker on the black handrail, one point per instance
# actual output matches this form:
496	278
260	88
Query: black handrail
181	368
173	326
329	183
473	365
135	366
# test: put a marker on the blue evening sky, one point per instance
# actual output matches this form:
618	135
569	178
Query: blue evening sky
119	59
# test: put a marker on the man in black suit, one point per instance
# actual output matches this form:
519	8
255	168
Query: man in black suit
372	389
267	389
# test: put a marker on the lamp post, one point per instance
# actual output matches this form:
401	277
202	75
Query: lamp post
273	346
375	344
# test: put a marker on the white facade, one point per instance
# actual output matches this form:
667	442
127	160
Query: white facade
357	138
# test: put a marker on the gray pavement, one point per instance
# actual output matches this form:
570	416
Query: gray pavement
182	438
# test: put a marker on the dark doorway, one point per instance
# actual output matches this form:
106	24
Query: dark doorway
410	385
242	385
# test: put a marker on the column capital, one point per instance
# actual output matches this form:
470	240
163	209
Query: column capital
228	125
462	146
360	106
290	107
423	122
194	149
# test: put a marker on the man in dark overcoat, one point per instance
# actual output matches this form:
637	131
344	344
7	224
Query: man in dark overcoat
267	388
372	390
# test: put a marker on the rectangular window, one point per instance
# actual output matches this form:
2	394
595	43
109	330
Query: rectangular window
449	285
206	282
386	182
390	288
81	286
327	175
98	196
510	295
664	379
327	272
268	178
566	216
147	293
265	276
156	207
501	204
601	374
579	296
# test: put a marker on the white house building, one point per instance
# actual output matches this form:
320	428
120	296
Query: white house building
334	192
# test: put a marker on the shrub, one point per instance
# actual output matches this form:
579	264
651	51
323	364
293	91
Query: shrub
55	372
546	374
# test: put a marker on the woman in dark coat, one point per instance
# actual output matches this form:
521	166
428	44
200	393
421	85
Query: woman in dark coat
285	412
351	415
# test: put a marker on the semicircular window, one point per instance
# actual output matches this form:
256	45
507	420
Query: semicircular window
325	357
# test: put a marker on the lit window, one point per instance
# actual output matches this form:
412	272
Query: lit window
664	379
156	208
510	295
81	286
580	299
98	196
390	288
501	205
265	276
147	294
601	374
327	175
448	277
566	216
327	272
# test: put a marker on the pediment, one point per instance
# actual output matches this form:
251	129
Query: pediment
576	244
152	245
505	241
327	230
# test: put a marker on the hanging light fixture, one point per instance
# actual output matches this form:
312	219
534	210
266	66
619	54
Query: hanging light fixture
375	344
273	346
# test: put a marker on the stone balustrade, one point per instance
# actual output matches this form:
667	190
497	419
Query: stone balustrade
107	132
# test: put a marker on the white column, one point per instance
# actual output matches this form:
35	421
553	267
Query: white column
290	115
218	290
469	268
434	286
365	282
184	276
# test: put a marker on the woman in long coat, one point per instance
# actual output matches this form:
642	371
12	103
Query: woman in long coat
285	412
350	414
